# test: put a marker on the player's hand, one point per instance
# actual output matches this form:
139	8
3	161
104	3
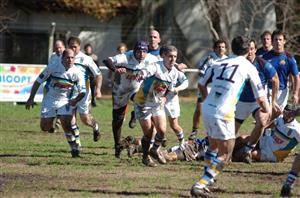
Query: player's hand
181	66
29	103
120	70
276	110
98	94
163	101
294	99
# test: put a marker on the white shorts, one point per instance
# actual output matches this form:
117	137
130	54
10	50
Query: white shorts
145	113
217	128
83	106
172	107
51	108
282	97
244	109
267	154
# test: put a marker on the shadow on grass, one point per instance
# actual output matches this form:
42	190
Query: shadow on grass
125	193
272	173
220	191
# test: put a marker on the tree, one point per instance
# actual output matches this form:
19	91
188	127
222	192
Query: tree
6	16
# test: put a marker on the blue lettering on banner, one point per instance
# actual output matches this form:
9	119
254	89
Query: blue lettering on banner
14	79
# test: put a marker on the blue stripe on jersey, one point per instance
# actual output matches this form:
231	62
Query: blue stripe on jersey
291	145
147	84
87	72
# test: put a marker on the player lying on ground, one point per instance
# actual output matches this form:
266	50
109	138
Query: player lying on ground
276	143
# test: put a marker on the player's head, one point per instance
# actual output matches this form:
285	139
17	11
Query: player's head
59	47
278	40
220	47
252	50
122	48
288	113
266	39
240	45
169	55
88	49
154	39
74	44
68	57
140	50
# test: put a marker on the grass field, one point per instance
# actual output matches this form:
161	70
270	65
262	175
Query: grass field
38	164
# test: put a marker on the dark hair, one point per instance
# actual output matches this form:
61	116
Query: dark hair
74	39
240	45
290	107
121	45
267	32
141	45
253	41
219	41
278	32
87	45
166	49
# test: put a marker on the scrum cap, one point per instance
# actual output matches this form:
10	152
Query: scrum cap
141	45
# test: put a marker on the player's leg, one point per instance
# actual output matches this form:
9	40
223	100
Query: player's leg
117	122
48	114
147	127
177	129
221	135
72	135
196	120
88	120
287	187
159	121
262	120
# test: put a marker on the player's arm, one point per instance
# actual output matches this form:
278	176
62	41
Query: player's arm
97	75
183	82
259	91
295	80
40	79
113	63
204	81
30	101
295	91
276	110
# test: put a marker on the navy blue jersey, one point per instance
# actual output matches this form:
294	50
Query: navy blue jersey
265	71
261	52
285	64
154	52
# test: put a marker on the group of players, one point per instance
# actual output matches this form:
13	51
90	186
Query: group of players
248	81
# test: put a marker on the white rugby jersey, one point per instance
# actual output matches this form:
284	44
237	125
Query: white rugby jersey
284	138
127	82
62	82
86	65
228	78
179	81
158	80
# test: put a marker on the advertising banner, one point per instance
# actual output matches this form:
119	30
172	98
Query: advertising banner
16	81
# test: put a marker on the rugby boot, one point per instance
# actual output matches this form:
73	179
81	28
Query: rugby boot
286	191
156	154
147	161
96	132
197	191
